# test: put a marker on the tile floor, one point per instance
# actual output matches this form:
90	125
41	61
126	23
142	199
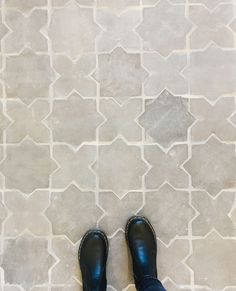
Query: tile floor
111	108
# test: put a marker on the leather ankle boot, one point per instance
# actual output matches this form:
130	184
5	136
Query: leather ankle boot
141	240
93	254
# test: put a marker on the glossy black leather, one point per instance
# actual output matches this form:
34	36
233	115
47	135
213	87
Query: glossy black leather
93	254
141	240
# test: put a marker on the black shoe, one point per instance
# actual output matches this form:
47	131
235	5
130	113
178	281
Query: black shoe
93	254
141	240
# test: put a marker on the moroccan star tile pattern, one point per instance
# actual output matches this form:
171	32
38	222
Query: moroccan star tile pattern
112	108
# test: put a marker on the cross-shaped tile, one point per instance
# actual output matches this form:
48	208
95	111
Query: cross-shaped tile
211	26
67	266
74	166
213	119
120	120
171	261
26	213
114	206
166	166
213	213
27	121
25	30
74	75
165	73
118	30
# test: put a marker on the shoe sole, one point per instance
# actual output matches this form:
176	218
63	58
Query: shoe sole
102	233
143	218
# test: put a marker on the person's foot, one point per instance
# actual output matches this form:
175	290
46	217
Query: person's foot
141	240
93	254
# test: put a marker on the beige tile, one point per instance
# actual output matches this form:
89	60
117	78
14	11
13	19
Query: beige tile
22	261
120	75
64	35
219	171
74	75
26	213
214	62
213	213
118	6
213	119
118	211
118	29
67	268
169	212
119	277
25	5
73	212
166	119
26	30
164	28
28	75
171	262
211	26
120	120
74	166
165	73
27	121
27	166
166	166
126	170
74	120
213	253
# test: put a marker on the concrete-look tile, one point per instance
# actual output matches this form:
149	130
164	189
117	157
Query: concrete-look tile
211	26
170	261
80	2
120	74
119	277
216	63
120	120
213	119
72	287
166	119
118	30
67	266
3	212
28	76
27	121
27	166
74	166
22	261
3	30
171	286
66	36
118	211
74	120
118	6
25	5
14	288
120	167
74	76
169	212
213	213
73	212
26	213
165	73
25	31
166	166
212	166
211	4
213	253
164	28
4	122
